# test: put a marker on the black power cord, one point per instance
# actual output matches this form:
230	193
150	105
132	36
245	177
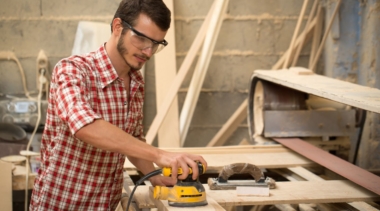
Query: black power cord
140	181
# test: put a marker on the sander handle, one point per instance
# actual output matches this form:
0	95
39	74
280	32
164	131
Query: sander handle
167	171
240	168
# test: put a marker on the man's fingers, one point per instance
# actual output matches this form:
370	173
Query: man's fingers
174	170
194	166
185	168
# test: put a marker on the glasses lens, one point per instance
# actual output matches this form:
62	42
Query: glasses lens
142	43
159	48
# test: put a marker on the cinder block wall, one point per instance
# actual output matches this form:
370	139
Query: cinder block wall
253	36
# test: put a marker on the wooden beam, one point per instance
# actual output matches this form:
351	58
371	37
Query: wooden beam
316	36
295	34
303	38
280	62
182	72
165	71
201	68
319	51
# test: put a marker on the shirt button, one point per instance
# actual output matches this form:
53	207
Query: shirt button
125	102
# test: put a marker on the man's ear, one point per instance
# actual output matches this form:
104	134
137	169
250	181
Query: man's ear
117	27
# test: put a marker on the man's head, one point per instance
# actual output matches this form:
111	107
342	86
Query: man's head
140	26
156	10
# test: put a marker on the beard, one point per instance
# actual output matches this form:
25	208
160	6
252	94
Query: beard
124	51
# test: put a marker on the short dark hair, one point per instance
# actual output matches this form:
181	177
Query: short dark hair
129	11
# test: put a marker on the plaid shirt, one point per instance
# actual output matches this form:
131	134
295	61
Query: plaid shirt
75	175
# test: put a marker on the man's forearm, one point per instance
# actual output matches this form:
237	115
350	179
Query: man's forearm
142	165
104	135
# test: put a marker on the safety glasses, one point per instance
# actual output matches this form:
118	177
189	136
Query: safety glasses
142	42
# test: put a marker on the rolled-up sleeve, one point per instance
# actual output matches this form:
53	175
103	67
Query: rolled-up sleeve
71	94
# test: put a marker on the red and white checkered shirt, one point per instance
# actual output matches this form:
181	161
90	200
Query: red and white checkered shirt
75	175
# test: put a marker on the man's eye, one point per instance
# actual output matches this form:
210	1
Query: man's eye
140	38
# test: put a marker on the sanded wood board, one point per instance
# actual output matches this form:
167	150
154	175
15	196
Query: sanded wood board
262	158
307	175
332	191
344	92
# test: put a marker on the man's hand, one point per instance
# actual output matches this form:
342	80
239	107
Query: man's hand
180	160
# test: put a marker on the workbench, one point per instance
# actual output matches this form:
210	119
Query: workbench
304	186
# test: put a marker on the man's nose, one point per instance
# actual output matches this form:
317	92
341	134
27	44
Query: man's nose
148	51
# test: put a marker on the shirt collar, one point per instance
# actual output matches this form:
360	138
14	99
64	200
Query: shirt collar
108	73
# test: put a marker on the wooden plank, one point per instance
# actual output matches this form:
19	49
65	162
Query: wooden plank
303	38
332	191
295	34
309	29
316	35
201	68
339	166
260	158
165	71
309	123
6	186
340	91
307	175
182	72
319	51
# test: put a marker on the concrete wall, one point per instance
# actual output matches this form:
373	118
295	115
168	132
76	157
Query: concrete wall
354	56
253	36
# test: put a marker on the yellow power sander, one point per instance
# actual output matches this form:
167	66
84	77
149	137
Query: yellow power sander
186	193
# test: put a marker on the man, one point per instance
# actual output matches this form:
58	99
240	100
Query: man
94	118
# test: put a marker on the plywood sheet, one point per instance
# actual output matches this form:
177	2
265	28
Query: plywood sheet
344	92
